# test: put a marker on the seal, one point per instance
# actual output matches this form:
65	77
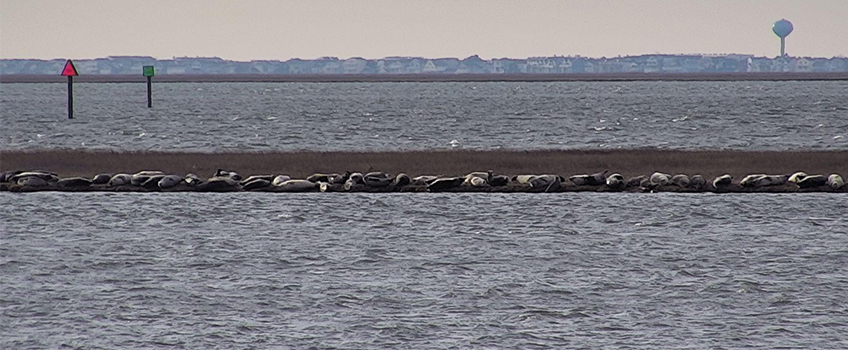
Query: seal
120	180
697	182
794	178
31	181
192	180
140	177
73	182
218	184
401	180
499	180
636	181
152	183
835	181
660	179
445	183
256	183
297	186
616	181
101	179
169	181
549	182
279	179
680	180
268	178
377	179
227	173
722	181
812	181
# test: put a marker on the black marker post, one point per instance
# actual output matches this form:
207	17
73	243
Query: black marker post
148	72
70	71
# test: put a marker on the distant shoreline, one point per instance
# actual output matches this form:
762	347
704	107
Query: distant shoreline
426	78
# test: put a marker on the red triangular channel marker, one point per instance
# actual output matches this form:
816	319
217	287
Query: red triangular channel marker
69	70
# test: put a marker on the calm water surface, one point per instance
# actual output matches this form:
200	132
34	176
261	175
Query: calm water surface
401	116
387	271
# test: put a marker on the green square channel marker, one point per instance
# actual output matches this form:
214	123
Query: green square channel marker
148	71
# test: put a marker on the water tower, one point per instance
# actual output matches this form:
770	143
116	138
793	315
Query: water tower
782	28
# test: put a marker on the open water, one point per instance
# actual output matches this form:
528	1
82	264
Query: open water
402	116
388	271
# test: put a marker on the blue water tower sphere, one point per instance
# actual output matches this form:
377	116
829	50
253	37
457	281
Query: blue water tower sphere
782	28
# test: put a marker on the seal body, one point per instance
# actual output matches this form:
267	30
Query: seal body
722	181
835	181
169	181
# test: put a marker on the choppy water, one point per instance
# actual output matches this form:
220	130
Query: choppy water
399	116
387	271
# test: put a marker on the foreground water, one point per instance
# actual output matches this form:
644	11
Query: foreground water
402	116
386	271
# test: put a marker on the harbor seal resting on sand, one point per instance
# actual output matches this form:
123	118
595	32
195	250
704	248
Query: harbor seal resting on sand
101	179
7	176
250	178
218	184
279	179
298	186
73	182
636	181
812	181
152	183
44	175
120	180
499	180
226	173
835	181
794	178
475	181
401	180
424	179
445	183
140	177
596	179
697	182
763	180
377	179
680	180
192	180
722	181
31	181
615	181
548	182
256	184
660	179
169	181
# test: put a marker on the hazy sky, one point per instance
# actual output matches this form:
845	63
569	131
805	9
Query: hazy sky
259	29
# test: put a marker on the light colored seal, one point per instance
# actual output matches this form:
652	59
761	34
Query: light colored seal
120	180
835	181
660	179
680	180
794	178
298	186
548	182
31	181
279	179
169	181
424	180
523	179
748	181
140	177
192	180
770	180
